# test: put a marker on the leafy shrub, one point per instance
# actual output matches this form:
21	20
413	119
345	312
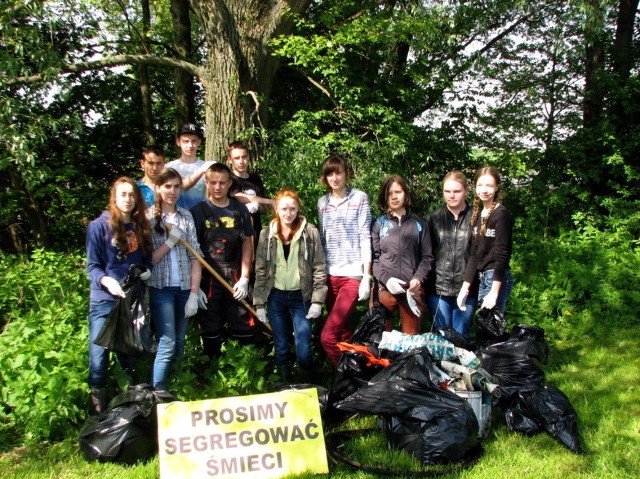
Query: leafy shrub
584	281
43	344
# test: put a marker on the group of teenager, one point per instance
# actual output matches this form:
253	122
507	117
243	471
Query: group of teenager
187	212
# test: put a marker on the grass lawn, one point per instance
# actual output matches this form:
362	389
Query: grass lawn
601	377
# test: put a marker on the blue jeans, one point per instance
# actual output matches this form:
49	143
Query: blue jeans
486	280
167	311
445	312
99	356
278	305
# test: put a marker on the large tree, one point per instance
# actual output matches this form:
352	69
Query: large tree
237	70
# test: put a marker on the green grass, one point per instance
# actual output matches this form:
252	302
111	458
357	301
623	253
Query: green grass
601	377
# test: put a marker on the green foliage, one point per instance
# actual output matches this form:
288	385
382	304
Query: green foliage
239	371
586	281
599	374
42	345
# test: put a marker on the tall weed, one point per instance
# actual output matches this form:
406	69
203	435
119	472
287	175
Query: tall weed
43	345
582	282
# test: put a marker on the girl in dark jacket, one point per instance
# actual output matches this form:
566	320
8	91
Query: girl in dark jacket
120	237
450	232
488	263
401	254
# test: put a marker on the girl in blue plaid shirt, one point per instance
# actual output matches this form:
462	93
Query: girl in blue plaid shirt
174	285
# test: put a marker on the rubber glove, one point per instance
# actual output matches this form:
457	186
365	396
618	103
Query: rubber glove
412	303
145	275
112	285
202	300
365	287
174	236
314	311
394	285
462	298
489	301
191	308
241	289
261	314
253	207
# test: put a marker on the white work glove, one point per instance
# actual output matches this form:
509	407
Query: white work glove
489	301
174	236
261	314
241	289
394	285
145	275
413	306
462	299
202	300
365	287
253	207
112	286
314	311
191	308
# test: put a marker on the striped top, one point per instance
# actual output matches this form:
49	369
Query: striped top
344	226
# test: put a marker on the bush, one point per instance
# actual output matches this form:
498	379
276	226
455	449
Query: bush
43	363
585	281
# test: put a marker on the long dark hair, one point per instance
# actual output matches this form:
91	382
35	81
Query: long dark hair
141	229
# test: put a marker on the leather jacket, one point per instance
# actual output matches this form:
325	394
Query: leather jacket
451	242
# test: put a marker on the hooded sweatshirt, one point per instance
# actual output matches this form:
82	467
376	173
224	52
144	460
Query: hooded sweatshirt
345	229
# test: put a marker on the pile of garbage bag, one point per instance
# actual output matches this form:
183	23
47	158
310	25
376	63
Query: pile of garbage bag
434	395
126	432
529	404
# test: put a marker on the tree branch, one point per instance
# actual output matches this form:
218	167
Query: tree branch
112	61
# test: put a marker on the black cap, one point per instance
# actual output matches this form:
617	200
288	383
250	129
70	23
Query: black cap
190	129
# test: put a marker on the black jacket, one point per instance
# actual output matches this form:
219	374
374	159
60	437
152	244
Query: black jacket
451	240
401	249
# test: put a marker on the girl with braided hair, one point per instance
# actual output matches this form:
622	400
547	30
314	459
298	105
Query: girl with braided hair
174	285
491	245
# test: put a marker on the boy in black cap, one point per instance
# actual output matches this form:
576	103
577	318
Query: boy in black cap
189	166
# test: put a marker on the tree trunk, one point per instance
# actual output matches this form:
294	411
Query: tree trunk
184	91
145	83
623	60
240	68
34	218
623	46
594	64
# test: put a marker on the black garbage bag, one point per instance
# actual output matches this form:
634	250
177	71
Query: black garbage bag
515	366
128	329
354	369
535	334
369	331
434	425
490	326
323	392
454	337
127	431
546	409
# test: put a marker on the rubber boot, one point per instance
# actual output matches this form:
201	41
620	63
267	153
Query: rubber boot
285	374
306	376
97	401
212	346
